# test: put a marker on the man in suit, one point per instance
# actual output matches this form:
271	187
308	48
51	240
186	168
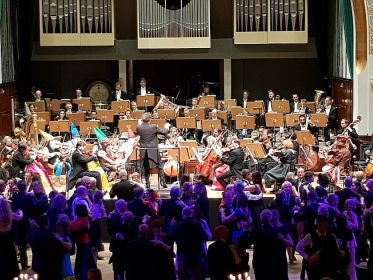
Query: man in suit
205	91
19	161
124	188
149	155
294	104
79	166
137	206
119	94
245	98
220	267
144	89
331	112
268	102
303	125
234	159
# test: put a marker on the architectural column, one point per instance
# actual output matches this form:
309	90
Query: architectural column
227	79
122	74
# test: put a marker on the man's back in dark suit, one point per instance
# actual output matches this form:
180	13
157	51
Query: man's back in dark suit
122	190
220	260
138	208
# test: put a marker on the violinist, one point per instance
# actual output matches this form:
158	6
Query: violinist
234	160
266	162
61	116
174	137
287	155
79	164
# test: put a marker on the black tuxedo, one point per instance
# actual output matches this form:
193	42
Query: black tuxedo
79	169
266	104
138	208
240	102
332	117
123	96
122	190
292	106
148	90
19	164
235	160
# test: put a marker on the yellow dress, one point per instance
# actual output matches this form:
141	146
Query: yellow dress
95	166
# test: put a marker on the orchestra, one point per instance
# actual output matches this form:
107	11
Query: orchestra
218	152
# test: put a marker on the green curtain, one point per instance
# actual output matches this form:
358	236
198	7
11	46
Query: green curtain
348	32
1	9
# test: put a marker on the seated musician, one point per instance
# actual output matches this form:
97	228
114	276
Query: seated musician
349	130
61	116
126	115
234	159
78	94
93	116
269	161
294	104
134	106
287	155
30	110
155	114
145	89
338	157
194	103
220	106
303	125
38	96
214	115
268	102
174	137
69	108
303	107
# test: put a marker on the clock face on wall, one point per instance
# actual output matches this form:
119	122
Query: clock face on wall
99	91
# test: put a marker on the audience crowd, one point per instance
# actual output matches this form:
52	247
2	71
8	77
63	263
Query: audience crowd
152	238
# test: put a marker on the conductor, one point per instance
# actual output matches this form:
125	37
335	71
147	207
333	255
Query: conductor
149	155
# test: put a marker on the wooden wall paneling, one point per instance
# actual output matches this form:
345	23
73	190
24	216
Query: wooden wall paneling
6	93
342	92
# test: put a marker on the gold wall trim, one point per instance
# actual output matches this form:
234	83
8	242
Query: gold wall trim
361	32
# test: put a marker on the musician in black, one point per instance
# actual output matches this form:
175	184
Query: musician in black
294	105
119	94
349	130
331	112
268	102
234	159
245	98
61	116
145	89
205	90
303	125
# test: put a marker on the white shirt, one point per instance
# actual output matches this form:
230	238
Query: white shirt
270	106
143	91
118	95
303	127
245	103
327	110
296	110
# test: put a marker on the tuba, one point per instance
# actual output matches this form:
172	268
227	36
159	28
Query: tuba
319	99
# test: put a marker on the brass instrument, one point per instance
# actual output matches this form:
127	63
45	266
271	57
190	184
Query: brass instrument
319	99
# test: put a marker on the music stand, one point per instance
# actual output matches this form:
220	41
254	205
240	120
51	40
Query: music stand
106	116
274	119
237	110
198	113
229	103
186	122
55	105
145	101
40	125
319	119
245	142
281	106
304	137
168	114
158	122
44	116
292	119
59	126
192	145
123	125
88	128
210	125
137	114
207	101
312	106
245	122
223	115
255	107
256	150
76	118
84	103
120	106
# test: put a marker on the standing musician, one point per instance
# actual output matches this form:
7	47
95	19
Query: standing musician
119	94
245	98
149	158
268	102
144	89
79	165
234	159
294	104
331	112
